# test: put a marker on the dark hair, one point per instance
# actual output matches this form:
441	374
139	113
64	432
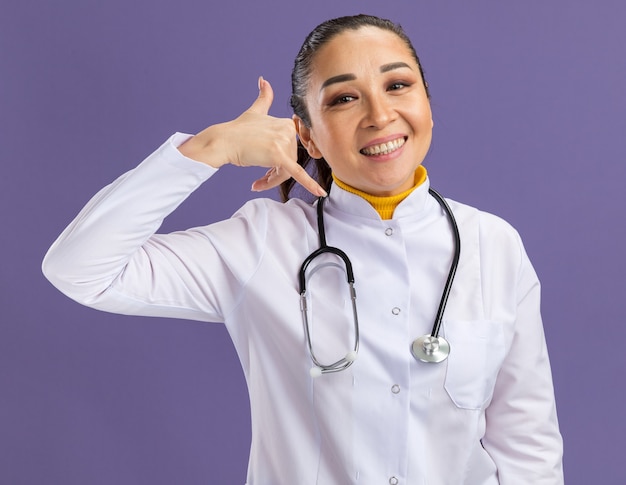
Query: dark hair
301	73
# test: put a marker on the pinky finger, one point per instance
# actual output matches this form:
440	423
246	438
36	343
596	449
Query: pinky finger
271	179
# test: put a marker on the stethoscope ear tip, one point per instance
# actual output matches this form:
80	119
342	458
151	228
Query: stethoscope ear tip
351	356
315	372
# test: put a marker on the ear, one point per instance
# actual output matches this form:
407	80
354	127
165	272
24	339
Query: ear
304	133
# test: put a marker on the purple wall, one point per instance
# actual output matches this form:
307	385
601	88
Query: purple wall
529	110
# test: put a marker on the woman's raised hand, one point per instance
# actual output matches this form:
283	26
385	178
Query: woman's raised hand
254	139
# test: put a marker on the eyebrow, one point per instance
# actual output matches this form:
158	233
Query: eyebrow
351	77
394	65
338	79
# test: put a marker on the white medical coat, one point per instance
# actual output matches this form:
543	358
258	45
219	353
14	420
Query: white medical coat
484	416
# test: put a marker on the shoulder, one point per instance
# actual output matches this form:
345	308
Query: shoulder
489	224
265	205
272	213
494	234
497	248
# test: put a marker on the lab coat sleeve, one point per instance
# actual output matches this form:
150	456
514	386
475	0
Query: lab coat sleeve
110	258
522	434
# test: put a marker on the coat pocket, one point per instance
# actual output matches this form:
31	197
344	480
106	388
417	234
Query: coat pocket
476	353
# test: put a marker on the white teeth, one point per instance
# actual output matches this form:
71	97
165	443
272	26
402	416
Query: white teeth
383	148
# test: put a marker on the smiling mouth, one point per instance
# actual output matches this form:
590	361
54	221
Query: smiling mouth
383	148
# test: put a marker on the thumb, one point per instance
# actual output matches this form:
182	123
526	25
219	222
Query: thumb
264	101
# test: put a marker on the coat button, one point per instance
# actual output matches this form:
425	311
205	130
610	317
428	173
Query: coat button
395	388
389	231
395	310
393	481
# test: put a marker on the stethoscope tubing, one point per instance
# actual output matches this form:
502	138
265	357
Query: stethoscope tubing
453	266
428	348
347	360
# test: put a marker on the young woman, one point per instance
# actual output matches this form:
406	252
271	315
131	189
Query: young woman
376	407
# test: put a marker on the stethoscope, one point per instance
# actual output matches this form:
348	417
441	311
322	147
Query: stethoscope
430	348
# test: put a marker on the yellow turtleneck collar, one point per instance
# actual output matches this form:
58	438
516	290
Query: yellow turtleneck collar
385	205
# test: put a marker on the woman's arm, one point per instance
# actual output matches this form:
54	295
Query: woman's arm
522	434
109	257
97	260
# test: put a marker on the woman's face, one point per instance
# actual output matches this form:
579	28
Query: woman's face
369	113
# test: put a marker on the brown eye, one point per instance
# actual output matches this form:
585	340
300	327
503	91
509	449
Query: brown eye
397	86
342	100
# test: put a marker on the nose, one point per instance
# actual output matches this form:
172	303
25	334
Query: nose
379	112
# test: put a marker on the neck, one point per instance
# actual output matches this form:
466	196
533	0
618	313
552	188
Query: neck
385	205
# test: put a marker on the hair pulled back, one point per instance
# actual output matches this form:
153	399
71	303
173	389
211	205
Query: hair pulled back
301	73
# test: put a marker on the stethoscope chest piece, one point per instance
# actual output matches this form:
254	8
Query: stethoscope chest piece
430	349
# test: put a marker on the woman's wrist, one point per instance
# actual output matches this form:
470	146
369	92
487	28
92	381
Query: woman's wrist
206	147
